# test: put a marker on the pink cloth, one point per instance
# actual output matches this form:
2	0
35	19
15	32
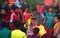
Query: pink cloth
14	17
40	8
48	2
26	16
11	2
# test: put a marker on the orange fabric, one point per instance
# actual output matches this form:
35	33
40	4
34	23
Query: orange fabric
55	26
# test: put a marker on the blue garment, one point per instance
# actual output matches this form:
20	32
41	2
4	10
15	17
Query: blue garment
49	20
17	4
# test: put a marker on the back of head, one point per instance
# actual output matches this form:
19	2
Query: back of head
14	7
4	24
17	24
36	30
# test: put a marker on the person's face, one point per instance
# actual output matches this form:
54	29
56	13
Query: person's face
50	10
21	1
55	19
16	10
5	2
27	9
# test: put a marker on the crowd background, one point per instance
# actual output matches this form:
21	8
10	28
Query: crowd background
29	19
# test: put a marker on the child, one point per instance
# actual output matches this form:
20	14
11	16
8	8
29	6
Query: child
49	22
57	26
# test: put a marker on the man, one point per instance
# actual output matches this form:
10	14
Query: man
5	32
49	22
17	33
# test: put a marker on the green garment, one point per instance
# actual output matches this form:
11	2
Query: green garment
5	33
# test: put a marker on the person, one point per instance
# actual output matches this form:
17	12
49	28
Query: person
5	32
56	26
26	14
35	33
17	33
42	30
49	22
20	4
32	22
15	15
38	16
17	3
6	14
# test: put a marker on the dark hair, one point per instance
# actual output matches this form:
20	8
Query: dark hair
51	7
46	7
4	24
17	23
34	9
36	30
14	7
58	17
1	16
56	7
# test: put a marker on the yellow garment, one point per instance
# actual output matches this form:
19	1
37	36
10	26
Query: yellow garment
42	30
29	21
55	26
18	34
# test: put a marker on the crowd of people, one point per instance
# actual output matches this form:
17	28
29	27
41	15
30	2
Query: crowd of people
19	22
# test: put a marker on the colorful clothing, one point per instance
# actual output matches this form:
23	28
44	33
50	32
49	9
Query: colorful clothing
5	33
49	20
30	27
55	26
18	34
42	30
26	16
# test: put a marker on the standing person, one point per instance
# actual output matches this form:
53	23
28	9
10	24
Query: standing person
30	24
38	16
5	32
49	22
57	26
35	35
26	14
15	15
17	33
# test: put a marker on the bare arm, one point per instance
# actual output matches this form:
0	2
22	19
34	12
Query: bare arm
57	30
44	21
